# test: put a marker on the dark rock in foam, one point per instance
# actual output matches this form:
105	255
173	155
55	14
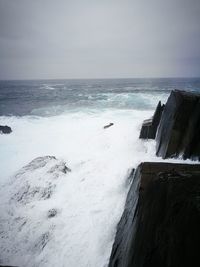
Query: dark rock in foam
179	129
5	129
149	127
108	125
161	226
52	213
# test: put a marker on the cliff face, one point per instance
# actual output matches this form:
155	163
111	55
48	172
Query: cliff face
149	127
179	129
161	226
160	223
126	226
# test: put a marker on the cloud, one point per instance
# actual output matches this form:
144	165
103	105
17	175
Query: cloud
93	38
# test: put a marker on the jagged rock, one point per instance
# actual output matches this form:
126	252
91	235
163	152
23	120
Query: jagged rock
28	221
179	130
108	125
37	180
149	127
5	129
161	226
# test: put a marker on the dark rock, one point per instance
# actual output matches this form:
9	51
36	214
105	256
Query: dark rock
5	129
52	213
109	125
66	169
160	228
149	127
179	129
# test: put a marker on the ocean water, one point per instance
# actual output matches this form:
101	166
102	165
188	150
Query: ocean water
54	97
65	119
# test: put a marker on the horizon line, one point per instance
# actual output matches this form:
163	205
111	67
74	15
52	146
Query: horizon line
108	78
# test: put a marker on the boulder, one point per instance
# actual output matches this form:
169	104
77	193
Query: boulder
52	213
179	129
160	222
5	129
149	127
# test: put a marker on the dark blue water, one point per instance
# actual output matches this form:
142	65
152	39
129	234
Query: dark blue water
52	97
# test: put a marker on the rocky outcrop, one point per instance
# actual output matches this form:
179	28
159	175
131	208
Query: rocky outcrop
179	130
5	129
149	127
31	206
160	227
30	187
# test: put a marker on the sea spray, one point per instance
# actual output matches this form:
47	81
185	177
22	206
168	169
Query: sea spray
76	225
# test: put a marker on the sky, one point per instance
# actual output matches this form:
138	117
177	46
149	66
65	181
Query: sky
55	39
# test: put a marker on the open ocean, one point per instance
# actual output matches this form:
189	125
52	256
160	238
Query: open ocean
55	97
65	119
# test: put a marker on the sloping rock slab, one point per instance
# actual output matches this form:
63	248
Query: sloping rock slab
37	180
31	205
161	227
179	129
149	127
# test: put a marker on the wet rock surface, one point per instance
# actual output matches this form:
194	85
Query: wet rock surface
108	125
179	129
5	129
149	127
52	213
161	226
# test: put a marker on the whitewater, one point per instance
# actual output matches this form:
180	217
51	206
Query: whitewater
63	177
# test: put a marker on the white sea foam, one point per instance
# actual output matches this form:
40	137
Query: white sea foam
47	87
131	99
89	199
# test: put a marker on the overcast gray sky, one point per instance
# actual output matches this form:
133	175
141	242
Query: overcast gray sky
99	38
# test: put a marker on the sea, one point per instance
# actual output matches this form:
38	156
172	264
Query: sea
66	119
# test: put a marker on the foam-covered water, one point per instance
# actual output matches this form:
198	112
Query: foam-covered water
65	119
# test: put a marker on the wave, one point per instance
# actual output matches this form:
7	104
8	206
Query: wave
47	87
89	200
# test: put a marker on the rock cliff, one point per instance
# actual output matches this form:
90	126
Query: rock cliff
179	129
160	223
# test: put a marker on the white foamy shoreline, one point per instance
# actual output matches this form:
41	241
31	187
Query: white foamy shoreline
90	199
